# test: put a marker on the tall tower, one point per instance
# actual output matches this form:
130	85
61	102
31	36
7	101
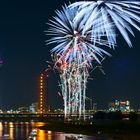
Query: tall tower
41	97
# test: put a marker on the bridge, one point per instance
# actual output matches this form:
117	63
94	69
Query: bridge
34	117
30	117
42	117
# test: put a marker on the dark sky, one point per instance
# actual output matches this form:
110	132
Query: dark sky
23	50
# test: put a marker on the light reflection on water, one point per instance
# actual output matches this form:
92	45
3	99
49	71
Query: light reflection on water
22	130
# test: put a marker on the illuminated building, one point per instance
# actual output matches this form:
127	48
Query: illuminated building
33	107
23	109
123	106
94	106
111	106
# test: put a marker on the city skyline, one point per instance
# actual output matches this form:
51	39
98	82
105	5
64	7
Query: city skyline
24	55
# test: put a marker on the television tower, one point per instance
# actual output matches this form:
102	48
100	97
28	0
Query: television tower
41	100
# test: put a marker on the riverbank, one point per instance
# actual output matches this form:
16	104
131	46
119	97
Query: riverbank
116	130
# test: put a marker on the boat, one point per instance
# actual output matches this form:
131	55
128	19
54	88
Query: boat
71	137
80	136
33	134
6	136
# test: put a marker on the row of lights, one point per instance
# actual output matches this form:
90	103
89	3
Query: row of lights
41	93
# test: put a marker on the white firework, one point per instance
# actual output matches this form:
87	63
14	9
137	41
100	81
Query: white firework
123	14
74	42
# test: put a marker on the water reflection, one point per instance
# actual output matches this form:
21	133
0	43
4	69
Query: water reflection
49	135
23	130
11	130
41	135
1	129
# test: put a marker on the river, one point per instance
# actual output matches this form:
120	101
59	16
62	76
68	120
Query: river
22	130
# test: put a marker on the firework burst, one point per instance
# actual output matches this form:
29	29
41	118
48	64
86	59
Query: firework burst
78	32
75	43
123	14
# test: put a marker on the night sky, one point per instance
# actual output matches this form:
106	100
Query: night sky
24	55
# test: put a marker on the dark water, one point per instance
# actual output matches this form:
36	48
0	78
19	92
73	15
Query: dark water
22	130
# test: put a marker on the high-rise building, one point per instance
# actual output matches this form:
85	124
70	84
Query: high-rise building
123	106
33	108
111	106
95	107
